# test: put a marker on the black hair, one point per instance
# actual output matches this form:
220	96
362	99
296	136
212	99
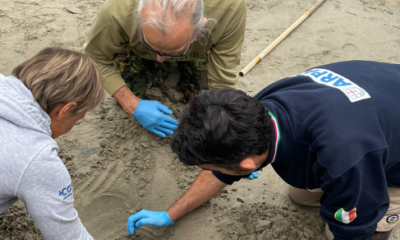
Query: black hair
221	127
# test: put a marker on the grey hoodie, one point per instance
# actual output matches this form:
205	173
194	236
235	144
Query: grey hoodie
30	169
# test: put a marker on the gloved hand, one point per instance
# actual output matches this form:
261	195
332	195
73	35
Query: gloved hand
253	175
145	217
150	115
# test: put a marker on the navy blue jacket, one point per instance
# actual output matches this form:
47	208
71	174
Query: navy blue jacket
337	128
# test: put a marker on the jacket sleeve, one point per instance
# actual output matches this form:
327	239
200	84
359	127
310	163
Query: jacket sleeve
363	189
225	54
228	179
47	192
105	40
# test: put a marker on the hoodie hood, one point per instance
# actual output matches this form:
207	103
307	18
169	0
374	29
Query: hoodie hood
18	106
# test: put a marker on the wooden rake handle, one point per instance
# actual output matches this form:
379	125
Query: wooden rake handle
279	39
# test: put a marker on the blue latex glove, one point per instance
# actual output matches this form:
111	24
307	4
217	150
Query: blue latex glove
253	175
145	217
150	115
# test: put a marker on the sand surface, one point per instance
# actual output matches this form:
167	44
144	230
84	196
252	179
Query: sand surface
118	167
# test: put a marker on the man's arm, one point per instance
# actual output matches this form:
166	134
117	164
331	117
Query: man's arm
105	40
127	99
103	49
225	54
203	189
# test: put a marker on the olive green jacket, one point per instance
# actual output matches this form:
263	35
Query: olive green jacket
116	25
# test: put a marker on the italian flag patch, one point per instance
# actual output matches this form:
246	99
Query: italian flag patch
346	217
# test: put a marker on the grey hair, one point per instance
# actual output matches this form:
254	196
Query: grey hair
178	8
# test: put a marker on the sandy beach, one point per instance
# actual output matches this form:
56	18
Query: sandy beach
118	167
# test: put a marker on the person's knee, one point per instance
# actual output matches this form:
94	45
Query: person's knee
304	197
385	235
387	223
391	218
328	233
381	235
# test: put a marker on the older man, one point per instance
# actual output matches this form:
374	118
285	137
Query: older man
150	34
331	132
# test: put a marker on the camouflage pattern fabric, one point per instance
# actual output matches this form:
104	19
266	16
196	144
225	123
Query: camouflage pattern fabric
141	74
193	77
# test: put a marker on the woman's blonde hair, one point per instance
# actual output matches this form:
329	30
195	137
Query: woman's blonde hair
56	76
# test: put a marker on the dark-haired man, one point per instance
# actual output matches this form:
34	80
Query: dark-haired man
331	133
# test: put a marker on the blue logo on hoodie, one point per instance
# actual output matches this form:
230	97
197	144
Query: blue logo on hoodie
66	192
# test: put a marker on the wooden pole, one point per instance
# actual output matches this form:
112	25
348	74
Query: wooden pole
279	39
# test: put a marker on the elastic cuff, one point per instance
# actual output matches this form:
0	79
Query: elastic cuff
170	221
213	84
113	83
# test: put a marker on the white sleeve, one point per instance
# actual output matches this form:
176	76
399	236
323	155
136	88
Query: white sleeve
47	191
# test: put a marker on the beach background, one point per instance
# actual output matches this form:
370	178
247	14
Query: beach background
118	167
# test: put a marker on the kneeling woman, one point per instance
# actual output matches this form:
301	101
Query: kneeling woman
43	99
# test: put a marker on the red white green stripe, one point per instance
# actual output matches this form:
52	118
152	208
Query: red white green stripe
345	217
277	135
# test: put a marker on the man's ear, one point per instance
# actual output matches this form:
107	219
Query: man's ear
248	164
67	109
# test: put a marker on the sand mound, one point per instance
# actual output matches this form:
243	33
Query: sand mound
15	225
259	221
